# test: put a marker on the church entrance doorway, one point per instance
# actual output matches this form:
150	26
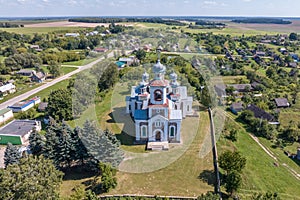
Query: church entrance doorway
158	135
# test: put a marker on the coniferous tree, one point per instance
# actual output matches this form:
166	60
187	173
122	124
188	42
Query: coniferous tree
64	146
81	153
99	146
51	140
11	155
36	143
112	137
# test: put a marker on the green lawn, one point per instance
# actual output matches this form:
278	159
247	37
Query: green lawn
80	62
46	92
66	70
260	173
286	116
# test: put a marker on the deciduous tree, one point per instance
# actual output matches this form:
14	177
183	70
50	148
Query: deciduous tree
33	178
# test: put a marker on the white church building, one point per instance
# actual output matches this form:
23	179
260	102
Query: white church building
158	107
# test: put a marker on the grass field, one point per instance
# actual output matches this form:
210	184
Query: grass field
45	93
286	116
260	173
66	70
80	62
32	30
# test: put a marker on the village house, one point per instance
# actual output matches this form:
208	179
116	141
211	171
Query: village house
129	61
35	47
283	50
292	64
282	102
38	77
72	34
241	88
260	53
260	113
43	106
25	105
26	72
147	47
5	115
236	107
17	132
100	50
7	88
158	107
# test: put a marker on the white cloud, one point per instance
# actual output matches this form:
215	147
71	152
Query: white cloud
210	3
72	2
247	0
21	1
186	1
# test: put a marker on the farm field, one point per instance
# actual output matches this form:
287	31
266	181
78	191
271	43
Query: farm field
45	29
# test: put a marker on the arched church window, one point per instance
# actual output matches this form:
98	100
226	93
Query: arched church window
157	95
172	131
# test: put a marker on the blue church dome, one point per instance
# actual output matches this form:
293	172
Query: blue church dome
158	67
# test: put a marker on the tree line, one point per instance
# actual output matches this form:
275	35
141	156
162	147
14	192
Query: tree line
261	21
117	20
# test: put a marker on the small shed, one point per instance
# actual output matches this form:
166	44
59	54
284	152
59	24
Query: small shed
42	106
282	102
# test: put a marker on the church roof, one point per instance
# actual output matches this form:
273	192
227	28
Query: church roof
158	105
141	114
159	83
158	67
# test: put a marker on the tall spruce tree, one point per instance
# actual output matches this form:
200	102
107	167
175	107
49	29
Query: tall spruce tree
64	147
81	153
11	155
50	149
99	146
36	143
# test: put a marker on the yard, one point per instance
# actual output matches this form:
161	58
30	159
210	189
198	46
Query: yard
261	174
188	175
179	171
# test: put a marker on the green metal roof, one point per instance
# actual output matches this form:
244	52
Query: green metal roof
5	110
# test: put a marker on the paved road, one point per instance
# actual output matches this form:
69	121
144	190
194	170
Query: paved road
48	84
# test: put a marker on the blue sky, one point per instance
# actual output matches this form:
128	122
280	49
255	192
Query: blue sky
29	8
